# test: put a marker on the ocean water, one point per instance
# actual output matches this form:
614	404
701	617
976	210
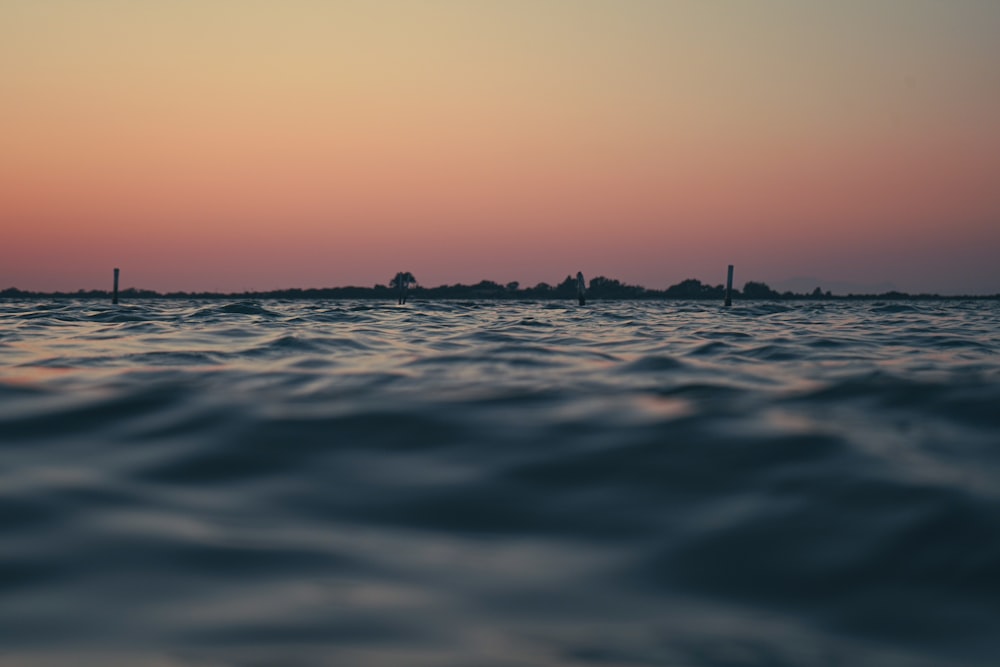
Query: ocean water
499	484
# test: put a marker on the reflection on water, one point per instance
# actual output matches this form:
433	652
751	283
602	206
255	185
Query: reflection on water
476	483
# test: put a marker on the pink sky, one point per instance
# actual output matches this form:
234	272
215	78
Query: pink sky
226	145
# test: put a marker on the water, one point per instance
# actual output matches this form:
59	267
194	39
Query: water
499	484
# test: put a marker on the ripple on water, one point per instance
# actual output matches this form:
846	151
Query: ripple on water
466	483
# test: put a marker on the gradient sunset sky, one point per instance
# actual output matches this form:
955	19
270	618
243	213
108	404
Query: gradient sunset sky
242	144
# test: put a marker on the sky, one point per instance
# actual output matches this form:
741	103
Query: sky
233	145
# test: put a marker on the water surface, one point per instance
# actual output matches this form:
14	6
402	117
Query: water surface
499	484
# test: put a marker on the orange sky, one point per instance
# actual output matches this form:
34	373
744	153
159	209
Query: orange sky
230	145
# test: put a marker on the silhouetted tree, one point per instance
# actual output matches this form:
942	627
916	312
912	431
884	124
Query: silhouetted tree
486	289
403	279
693	289
567	287
542	290
610	288
755	290
402	282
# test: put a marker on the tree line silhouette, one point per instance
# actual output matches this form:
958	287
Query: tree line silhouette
599	288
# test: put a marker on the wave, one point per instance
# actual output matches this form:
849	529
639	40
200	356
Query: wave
481	483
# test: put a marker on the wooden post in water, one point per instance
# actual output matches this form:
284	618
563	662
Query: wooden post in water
729	287
581	289
114	294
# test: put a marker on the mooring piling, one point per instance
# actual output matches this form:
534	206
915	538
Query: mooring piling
581	289
114	293
729	287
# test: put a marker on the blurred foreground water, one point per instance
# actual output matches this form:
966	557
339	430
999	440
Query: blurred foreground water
499	484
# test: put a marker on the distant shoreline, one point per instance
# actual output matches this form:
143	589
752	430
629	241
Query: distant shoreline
600	289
